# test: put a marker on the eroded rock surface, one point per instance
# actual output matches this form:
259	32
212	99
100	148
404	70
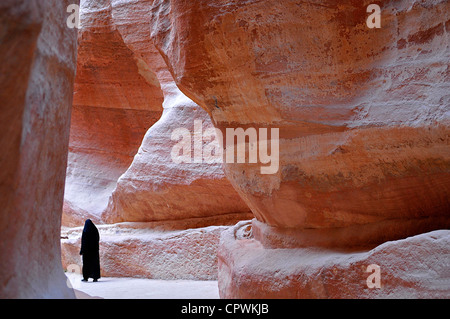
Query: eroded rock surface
155	187
38	54
116	100
415	267
116	173
121	167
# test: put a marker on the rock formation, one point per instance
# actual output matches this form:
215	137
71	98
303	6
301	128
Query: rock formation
155	187
334	133
122	86
415	267
362	112
116	100
157	250
38	54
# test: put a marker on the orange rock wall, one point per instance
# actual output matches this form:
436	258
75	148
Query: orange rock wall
363	133
362	113
116	100
364	139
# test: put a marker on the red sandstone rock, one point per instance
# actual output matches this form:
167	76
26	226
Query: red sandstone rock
38	54
109	74
102	145
154	188
363	113
104	181
363	118
363	124
415	267
150	250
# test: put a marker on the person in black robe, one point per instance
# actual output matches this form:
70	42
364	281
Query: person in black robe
90	251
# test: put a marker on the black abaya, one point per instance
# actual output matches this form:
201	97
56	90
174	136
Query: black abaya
90	251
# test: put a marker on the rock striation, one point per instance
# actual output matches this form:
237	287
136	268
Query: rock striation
121	170
156	187
344	130
362	113
116	100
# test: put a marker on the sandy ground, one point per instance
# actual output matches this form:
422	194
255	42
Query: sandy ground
137	288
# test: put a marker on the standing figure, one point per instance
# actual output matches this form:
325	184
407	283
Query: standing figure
90	251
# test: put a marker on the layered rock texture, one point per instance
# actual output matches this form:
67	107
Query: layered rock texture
150	250
346	163
156	187
122	87
362	113
116	100
38	54
121	164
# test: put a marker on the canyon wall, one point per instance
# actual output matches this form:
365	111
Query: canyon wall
156	187
116	100
359	167
362	115
119	169
38	53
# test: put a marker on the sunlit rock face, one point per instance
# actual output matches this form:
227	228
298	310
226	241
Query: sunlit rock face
38	54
